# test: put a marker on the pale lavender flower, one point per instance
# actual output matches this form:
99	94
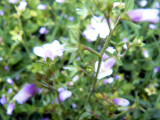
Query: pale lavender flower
60	1
74	105
71	18
42	7
121	102
10	90
1	12
22	5
125	46
43	30
3	100
1	59
145	53
110	50
105	68
100	26
143	3
10	81
45	119
10	108
65	94
144	15
13	1
157	5
78	58
97	27
25	93
152	26
50	50
108	80
90	33
39	90
116	77
70	84
6	68
17	77
75	78
156	69
60	89
125	40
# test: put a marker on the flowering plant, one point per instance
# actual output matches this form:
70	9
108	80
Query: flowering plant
89	59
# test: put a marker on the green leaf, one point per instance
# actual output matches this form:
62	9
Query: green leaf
119	62
129	5
84	115
83	12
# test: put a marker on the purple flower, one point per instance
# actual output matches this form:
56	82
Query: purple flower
105	68
71	18
1	12
10	90
144	15
65	94
3	100
42	7
108	80
22	5
60	1
25	93
6	68
156	69
39	90
49	50
10	81
13	1
10	108
152	26
43	30
121	102
116	77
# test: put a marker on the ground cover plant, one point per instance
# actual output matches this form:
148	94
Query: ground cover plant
79	60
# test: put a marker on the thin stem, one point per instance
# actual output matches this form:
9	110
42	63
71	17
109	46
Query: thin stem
23	40
120	114
60	114
109	39
107	18
90	49
95	80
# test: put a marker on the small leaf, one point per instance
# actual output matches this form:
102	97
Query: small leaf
129	5
119	62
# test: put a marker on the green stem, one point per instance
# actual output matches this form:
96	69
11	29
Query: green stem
107	18
23	40
120	114
60	114
84	47
95	80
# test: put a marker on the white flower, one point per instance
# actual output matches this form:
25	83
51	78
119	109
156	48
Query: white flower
108	80
97	27
49	50
42	7
60	1
105	68
22	5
